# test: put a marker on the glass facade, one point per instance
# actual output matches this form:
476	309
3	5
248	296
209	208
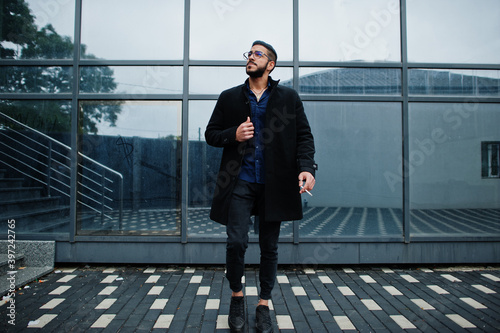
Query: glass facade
403	102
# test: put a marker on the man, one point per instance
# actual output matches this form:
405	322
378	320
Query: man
267	162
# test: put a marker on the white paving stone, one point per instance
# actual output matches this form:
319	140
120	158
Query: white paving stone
438	289
105	304
319	305
422	304
491	277
472	302
156	290
189	270
149	270
109	270
409	278
203	290
461	321
344	323
348	270
212	304
484	289
282	279
404	323
325	279
66	278
346	291
68	270
103	321
52	303
451	278
251	291
367	279
159	304
164	321
153	279
387	270
426	270
299	291
393	291
309	271
285	322
371	305
59	290
108	290
109	279
196	279
42	321
222	323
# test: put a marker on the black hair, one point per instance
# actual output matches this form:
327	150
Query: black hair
269	47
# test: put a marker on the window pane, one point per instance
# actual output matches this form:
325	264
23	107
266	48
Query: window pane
139	140
214	80
449	197
364	30
133	80
130	30
454	82
358	81
29	79
203	164
223	30
358	190
453	31
34	147
36	29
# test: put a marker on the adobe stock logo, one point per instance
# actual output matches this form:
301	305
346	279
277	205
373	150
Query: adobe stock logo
224	6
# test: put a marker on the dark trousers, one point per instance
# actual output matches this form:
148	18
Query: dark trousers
245	197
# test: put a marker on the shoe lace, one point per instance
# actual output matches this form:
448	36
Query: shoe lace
237	308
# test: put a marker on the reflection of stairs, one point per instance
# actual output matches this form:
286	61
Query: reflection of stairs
32	212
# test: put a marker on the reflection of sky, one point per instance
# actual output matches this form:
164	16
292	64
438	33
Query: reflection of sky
463	31
146	119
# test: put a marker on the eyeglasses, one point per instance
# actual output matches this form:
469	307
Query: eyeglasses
256	54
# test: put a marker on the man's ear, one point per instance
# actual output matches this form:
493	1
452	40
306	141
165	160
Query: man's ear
270	65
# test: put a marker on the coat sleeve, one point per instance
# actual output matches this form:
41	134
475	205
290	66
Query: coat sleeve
305	141
216	133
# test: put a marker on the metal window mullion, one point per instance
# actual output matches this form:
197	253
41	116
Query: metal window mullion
296	85
74	122
405	122
185	119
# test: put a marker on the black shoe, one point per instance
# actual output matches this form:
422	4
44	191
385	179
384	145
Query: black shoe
263	321
236	317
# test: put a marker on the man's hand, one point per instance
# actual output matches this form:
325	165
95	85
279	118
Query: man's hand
309	181
244	131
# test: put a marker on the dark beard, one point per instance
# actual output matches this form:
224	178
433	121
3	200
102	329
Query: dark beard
258	72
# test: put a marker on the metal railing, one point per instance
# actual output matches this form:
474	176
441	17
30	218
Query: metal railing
48	161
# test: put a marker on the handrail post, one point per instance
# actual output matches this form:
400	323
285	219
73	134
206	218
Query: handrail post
103	194
49	168
120	219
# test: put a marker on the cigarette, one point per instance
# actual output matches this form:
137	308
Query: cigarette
306	191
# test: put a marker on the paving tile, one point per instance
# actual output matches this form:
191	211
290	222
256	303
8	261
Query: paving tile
320	300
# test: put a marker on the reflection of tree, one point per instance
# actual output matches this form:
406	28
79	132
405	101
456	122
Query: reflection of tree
22	40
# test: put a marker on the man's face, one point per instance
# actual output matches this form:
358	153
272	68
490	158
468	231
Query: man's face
256	67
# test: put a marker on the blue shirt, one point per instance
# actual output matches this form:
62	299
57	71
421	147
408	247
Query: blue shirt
253	166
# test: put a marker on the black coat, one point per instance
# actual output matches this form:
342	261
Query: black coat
289	150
